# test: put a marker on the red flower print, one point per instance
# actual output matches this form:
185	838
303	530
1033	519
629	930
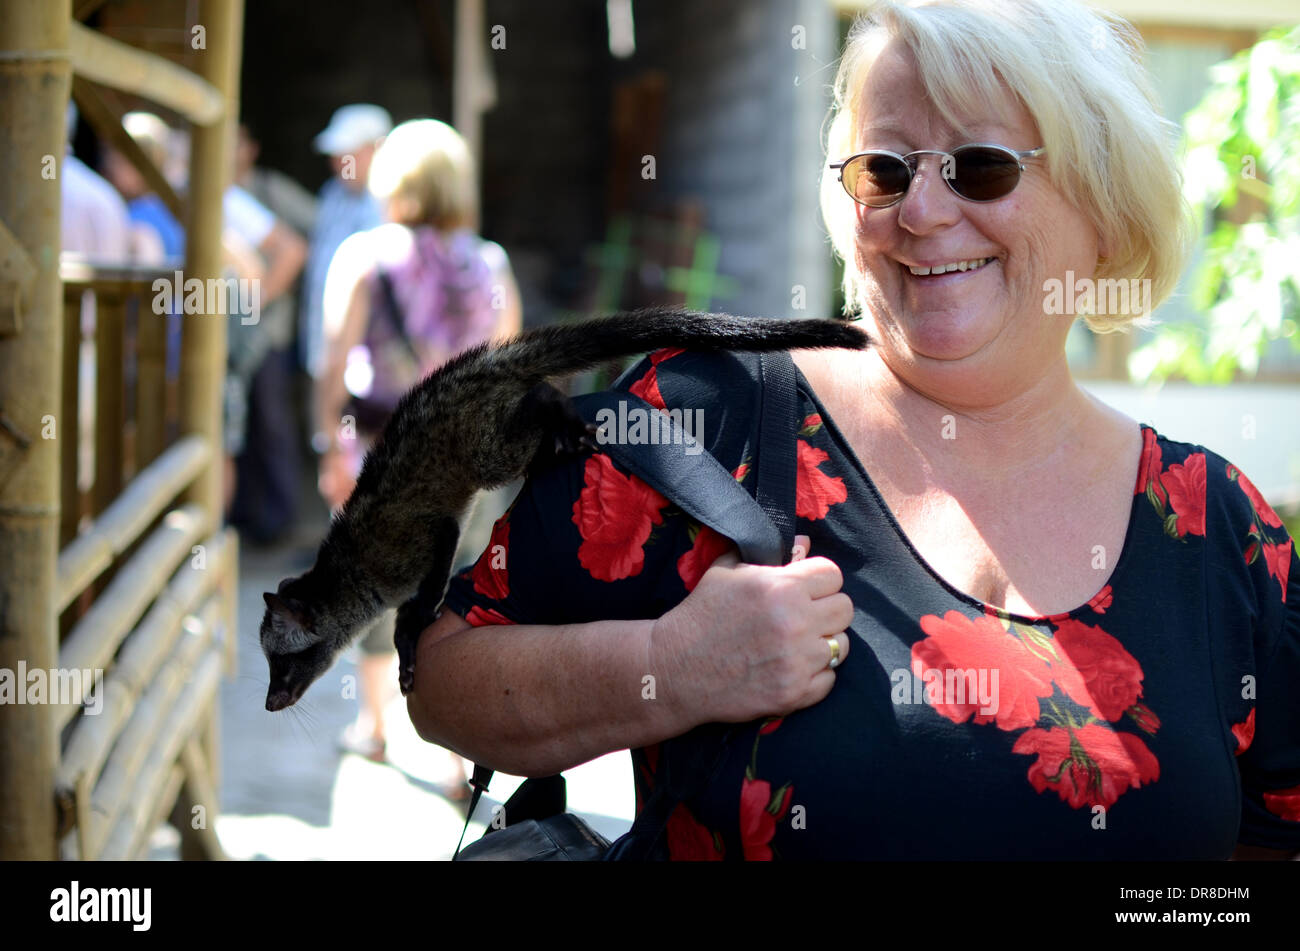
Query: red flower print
742	470
1185	483
614	514
1284	803
481	616
1144	717
811	424
1095	670
648	386
770	726
1261	507
1278	560
689	841
1093	765
490	576
708	546
956	642
1245	732
815	491
1101	600
1149	470
759	812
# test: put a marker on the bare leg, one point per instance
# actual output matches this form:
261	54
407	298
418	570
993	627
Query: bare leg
374	690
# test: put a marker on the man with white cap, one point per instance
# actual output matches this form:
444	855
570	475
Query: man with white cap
345	207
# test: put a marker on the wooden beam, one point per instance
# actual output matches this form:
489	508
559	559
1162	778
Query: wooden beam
85	8
144	733
35	74
91	644
151	778
199	790
69	492
110	400
107	123
120	66
203	340
145	651
126	518
470	90
150	387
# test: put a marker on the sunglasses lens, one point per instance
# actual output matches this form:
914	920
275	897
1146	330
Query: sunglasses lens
984	174
876	180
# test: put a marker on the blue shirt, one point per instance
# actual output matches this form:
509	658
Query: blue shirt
150	210
341	213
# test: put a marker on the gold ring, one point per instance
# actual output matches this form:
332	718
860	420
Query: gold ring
835	652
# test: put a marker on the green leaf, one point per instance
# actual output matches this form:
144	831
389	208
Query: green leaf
1171	522
774	804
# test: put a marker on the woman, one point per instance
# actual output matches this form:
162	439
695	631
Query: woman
1047	619
399	301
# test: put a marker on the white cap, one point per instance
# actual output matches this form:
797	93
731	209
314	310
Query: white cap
352	127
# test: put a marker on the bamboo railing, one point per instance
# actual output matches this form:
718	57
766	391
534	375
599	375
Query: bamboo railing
161	625
112	555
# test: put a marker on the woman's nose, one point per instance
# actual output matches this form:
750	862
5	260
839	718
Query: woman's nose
929	202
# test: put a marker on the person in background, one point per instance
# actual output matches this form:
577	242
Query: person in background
95	222
145	209
345	206
285	198
400	300
265	477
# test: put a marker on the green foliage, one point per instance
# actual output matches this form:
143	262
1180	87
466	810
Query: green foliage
1242	138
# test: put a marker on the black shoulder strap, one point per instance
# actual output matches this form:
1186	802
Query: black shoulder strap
677	467
393	314
777	451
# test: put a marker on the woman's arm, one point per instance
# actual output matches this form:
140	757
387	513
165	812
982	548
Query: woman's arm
533	700
347	314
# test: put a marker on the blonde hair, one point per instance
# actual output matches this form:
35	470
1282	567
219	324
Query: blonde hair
151	133
426	173
1078	73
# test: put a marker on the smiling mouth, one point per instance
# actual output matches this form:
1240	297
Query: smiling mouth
945	270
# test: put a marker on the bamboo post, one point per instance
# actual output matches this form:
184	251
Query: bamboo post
203	341
110	411
69	493
470	92
34	83
151	386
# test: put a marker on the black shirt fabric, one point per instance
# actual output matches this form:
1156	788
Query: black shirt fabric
1160	720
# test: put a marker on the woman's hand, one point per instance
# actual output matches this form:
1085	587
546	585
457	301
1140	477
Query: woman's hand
752	641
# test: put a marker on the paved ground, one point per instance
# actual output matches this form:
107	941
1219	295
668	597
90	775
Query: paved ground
288	792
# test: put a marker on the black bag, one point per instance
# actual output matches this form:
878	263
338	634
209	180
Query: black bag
536	826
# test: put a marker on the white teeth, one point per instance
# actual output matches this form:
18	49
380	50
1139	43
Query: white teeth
945	268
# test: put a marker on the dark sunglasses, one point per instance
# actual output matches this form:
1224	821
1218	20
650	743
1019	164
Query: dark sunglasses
977	172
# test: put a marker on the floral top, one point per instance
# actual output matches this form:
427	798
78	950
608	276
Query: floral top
1161	720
